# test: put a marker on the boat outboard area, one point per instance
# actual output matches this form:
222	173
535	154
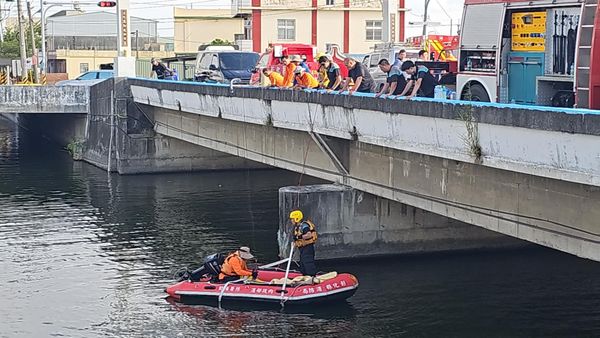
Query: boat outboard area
269	284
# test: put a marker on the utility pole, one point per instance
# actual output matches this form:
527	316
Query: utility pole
390	8
124	62
425	18
43	64
137	46
1	23
22	40
123	19
33	53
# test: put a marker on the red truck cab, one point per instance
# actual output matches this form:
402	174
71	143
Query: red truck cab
271	59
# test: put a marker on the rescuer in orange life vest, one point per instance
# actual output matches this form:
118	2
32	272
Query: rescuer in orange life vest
234	267
305	237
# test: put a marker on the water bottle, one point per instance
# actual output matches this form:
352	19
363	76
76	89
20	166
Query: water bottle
439	92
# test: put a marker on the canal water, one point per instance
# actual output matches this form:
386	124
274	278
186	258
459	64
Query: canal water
85	254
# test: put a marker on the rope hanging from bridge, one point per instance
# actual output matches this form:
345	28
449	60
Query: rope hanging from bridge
311	123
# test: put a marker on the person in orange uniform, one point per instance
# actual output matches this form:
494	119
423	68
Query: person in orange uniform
288	76
305	237
305	79
235	267
275	78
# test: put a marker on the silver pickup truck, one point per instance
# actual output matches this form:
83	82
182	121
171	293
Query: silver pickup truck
387	51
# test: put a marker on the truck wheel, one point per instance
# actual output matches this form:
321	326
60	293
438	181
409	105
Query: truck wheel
475	92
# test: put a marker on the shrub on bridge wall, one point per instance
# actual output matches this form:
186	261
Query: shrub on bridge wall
471	137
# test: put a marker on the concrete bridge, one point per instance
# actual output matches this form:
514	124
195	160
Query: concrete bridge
530	173
61	112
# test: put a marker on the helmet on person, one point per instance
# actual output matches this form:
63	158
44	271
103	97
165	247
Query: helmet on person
296	216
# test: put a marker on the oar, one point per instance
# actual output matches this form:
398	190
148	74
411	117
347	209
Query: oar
270	265
287	272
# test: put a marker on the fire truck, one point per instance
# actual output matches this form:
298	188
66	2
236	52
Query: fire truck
535	52
441	47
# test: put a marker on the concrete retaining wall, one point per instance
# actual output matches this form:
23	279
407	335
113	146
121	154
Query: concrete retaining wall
135	147
97	135
45	99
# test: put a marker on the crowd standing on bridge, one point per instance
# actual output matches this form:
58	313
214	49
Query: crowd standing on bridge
404	77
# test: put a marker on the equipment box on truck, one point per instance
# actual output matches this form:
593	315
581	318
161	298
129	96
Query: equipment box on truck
535	52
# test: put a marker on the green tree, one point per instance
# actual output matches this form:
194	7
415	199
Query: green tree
219	42
10	47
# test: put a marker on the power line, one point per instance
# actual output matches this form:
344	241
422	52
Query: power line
443	9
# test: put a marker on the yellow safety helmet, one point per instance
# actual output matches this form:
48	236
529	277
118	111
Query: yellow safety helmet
296	216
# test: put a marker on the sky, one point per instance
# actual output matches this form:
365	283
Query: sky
440	11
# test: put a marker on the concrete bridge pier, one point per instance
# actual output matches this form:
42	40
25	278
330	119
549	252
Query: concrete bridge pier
352	223
121	136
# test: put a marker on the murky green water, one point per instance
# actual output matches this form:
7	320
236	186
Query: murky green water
84	254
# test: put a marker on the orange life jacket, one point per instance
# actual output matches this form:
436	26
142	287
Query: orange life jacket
234	265
276	79
298	240
288	78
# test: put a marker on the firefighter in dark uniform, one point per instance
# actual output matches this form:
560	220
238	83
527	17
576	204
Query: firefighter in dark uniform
305	237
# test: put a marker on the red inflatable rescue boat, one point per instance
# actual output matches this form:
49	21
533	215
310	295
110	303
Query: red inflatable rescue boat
268	287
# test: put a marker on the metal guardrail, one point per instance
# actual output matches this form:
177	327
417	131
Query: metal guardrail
143	69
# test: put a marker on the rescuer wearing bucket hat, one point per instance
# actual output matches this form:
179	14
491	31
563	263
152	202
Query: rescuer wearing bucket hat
305	237
234	267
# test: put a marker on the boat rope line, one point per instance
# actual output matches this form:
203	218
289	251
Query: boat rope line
250	296
311	124
225	288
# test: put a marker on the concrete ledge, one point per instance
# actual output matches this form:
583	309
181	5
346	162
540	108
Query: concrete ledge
45	99
576	121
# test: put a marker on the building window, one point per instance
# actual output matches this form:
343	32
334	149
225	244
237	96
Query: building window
329	2
286	29
374	30
84	67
